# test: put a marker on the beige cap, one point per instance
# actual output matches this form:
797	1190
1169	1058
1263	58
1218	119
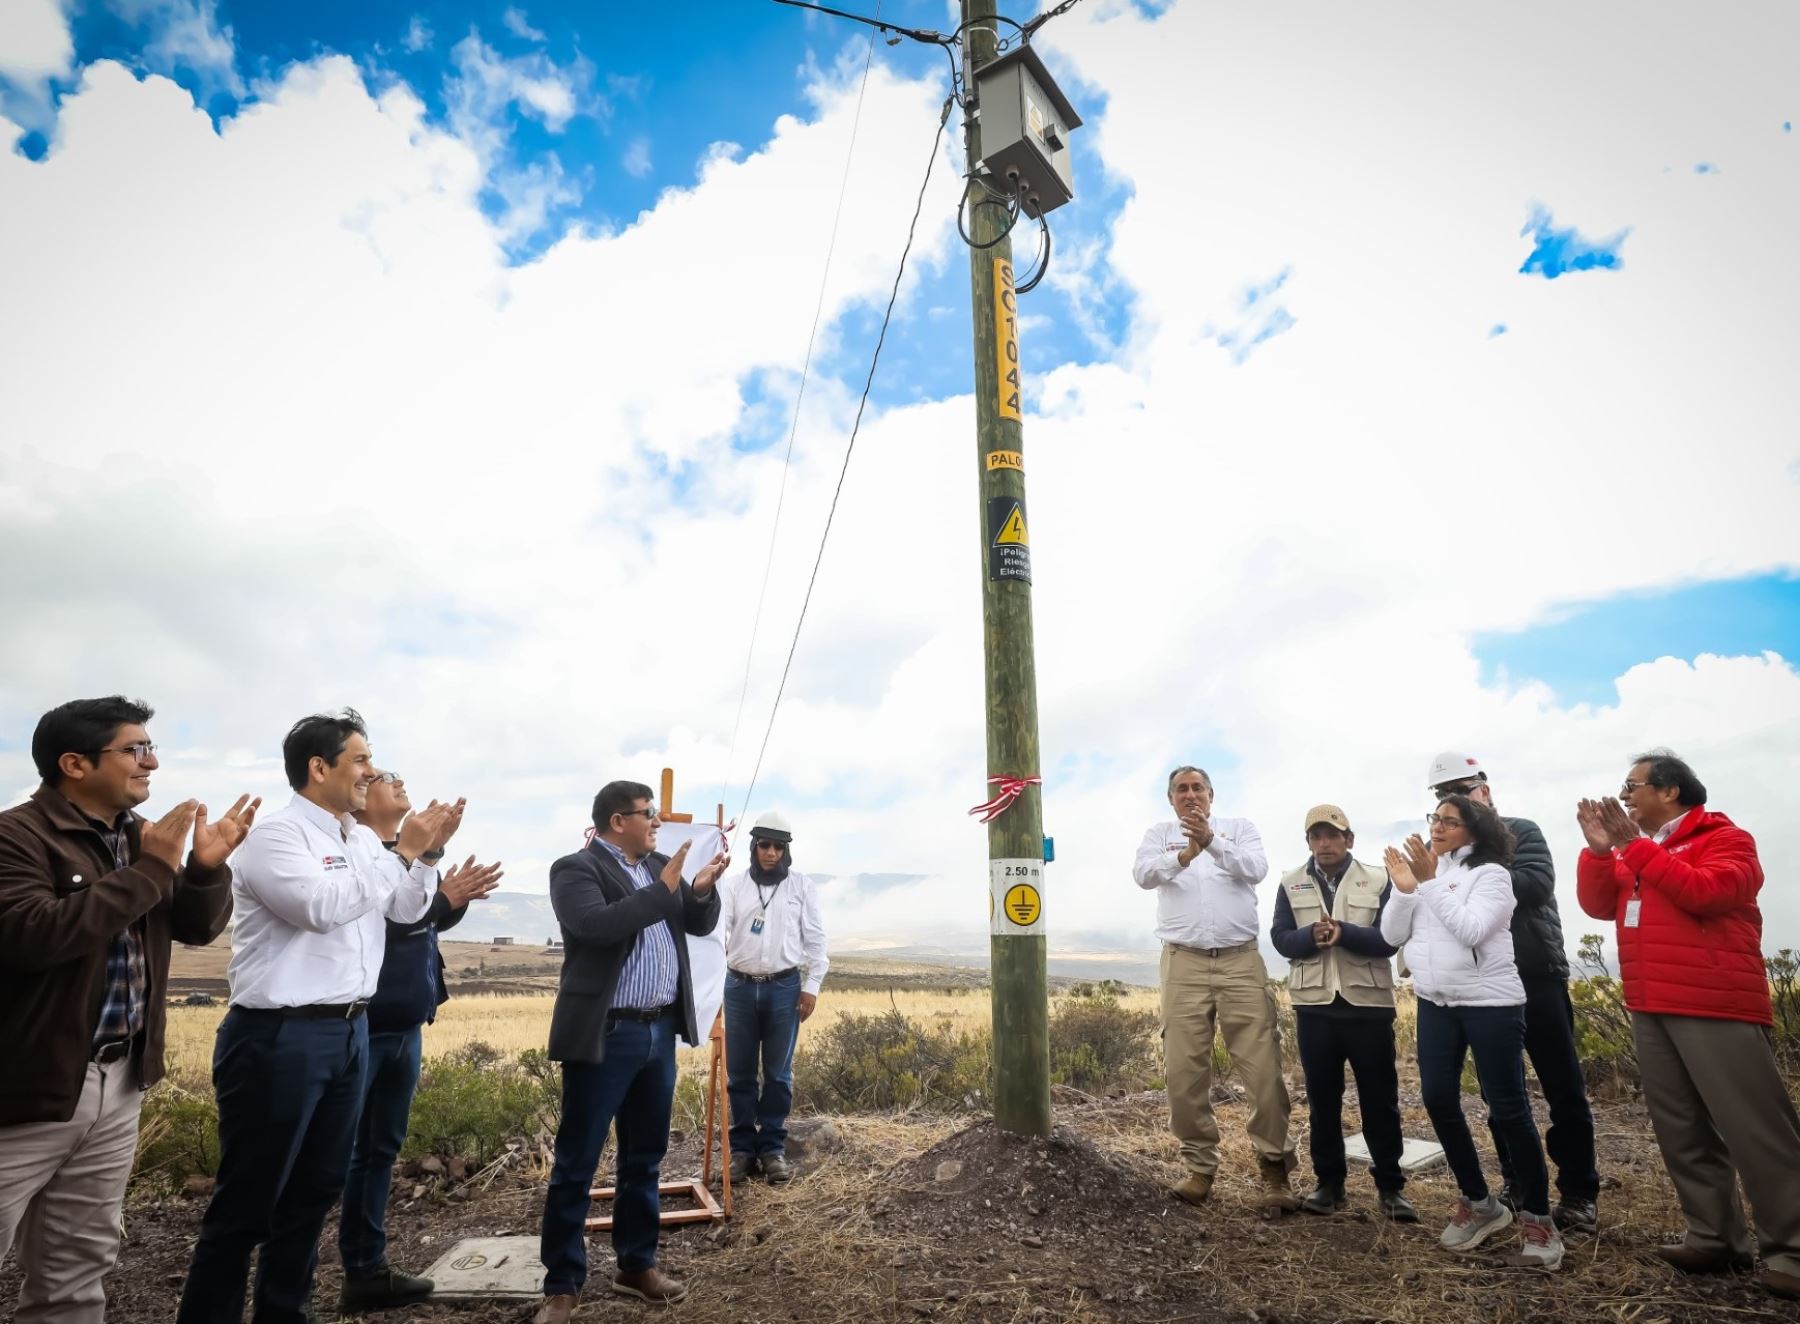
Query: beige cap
1327	814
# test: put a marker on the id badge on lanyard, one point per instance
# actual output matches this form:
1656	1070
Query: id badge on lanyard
1633	909
756	925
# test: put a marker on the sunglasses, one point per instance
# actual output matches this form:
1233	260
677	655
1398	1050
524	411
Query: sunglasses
387	778
1444	792
763	843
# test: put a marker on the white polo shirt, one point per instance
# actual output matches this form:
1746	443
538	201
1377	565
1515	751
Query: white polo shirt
312	893
792	934
1212	902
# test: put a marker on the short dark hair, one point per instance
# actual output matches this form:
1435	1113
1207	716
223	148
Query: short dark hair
1188	767
618	798
321	736
1666	769
84	727
1492	839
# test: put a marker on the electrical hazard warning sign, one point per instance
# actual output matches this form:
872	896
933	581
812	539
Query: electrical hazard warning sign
1009	544
1015	897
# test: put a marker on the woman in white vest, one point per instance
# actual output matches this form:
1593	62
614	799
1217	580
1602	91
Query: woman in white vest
1341	982
1458	945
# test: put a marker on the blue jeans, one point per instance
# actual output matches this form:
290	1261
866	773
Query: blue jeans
633	1090
380	1132
762	1021
288	1092
1496	1036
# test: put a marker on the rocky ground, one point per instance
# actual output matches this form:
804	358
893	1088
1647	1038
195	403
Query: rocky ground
903	1219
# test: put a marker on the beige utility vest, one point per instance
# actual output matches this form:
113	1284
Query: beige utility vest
1365	981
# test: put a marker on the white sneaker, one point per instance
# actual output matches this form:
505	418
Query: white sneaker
1474	1223
1543	1244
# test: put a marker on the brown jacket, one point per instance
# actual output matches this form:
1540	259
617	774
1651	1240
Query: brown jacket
62	901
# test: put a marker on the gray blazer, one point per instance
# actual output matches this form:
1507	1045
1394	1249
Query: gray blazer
602	914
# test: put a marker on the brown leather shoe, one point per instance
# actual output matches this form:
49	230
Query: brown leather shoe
1691	1259
555	1310
652	1285
1781	1284
1194	1188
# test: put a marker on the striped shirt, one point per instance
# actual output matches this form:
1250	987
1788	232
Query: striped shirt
652	973
127	981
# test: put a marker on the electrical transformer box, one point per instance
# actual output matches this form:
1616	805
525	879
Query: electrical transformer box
1025	123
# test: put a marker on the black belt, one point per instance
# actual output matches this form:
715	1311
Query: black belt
113	1050
313	1011
767	979
648	1015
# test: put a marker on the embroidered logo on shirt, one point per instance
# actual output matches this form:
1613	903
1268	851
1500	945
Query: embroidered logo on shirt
335	862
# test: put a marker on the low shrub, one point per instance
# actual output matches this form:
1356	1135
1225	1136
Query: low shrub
863	1063
178	1135
1095	1043
472	1101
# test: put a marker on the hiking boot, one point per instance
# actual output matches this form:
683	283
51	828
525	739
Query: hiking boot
1576	1215
652	1285
742	1165
1194	1188
1542	1247
1474	1222
1278	1196
1324	1200
556	1309
1691	1259
1396	1208
777	1169
1781	1284
382	1290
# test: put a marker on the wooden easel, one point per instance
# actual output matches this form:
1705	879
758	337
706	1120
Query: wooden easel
707	1209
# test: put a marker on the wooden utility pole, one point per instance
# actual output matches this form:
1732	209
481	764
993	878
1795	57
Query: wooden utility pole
1016	834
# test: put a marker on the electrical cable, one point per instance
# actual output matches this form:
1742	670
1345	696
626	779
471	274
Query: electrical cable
799	396
1042	264
1010	206
849	450
1029	30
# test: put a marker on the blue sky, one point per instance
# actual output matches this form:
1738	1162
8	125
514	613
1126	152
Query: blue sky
1301	346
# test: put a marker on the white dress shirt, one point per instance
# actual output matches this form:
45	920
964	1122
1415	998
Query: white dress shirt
1212	902
311	894
793	934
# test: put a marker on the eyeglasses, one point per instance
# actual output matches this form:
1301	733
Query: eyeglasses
387	778
1629	786
649	813
1439	820
142	751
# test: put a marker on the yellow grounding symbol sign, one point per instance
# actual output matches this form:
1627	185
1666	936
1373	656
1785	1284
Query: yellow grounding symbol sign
1012	533
1023	905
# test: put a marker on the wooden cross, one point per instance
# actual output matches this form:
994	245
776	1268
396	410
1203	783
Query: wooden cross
669	815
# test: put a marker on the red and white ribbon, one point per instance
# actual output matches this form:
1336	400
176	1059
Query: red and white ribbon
1011	788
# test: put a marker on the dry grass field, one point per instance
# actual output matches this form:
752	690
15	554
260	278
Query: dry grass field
514	1022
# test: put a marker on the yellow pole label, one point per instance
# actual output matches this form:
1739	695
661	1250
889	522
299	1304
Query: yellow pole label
1006	339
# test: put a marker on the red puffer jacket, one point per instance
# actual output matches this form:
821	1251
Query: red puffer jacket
1697	947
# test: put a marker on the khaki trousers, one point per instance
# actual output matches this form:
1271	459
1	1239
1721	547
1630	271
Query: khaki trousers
1225	994
1723	1116
62	1189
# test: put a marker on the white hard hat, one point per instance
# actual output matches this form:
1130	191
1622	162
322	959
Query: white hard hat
1451	766
772	827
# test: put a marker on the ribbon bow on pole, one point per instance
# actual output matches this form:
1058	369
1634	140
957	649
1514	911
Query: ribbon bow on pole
1011	788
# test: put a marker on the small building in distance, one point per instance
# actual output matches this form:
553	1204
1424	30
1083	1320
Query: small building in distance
503	942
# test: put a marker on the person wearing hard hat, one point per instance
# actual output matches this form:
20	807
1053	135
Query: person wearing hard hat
775	962
1328	923
1543	964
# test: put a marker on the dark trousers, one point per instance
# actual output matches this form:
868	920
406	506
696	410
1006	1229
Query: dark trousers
632	1090
762	1022
1328	1043
1550	1043
288	1092
1496	1036
393	1075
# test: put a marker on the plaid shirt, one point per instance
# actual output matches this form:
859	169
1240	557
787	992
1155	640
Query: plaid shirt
122	1009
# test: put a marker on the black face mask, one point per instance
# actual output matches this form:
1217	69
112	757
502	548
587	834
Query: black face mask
769	877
